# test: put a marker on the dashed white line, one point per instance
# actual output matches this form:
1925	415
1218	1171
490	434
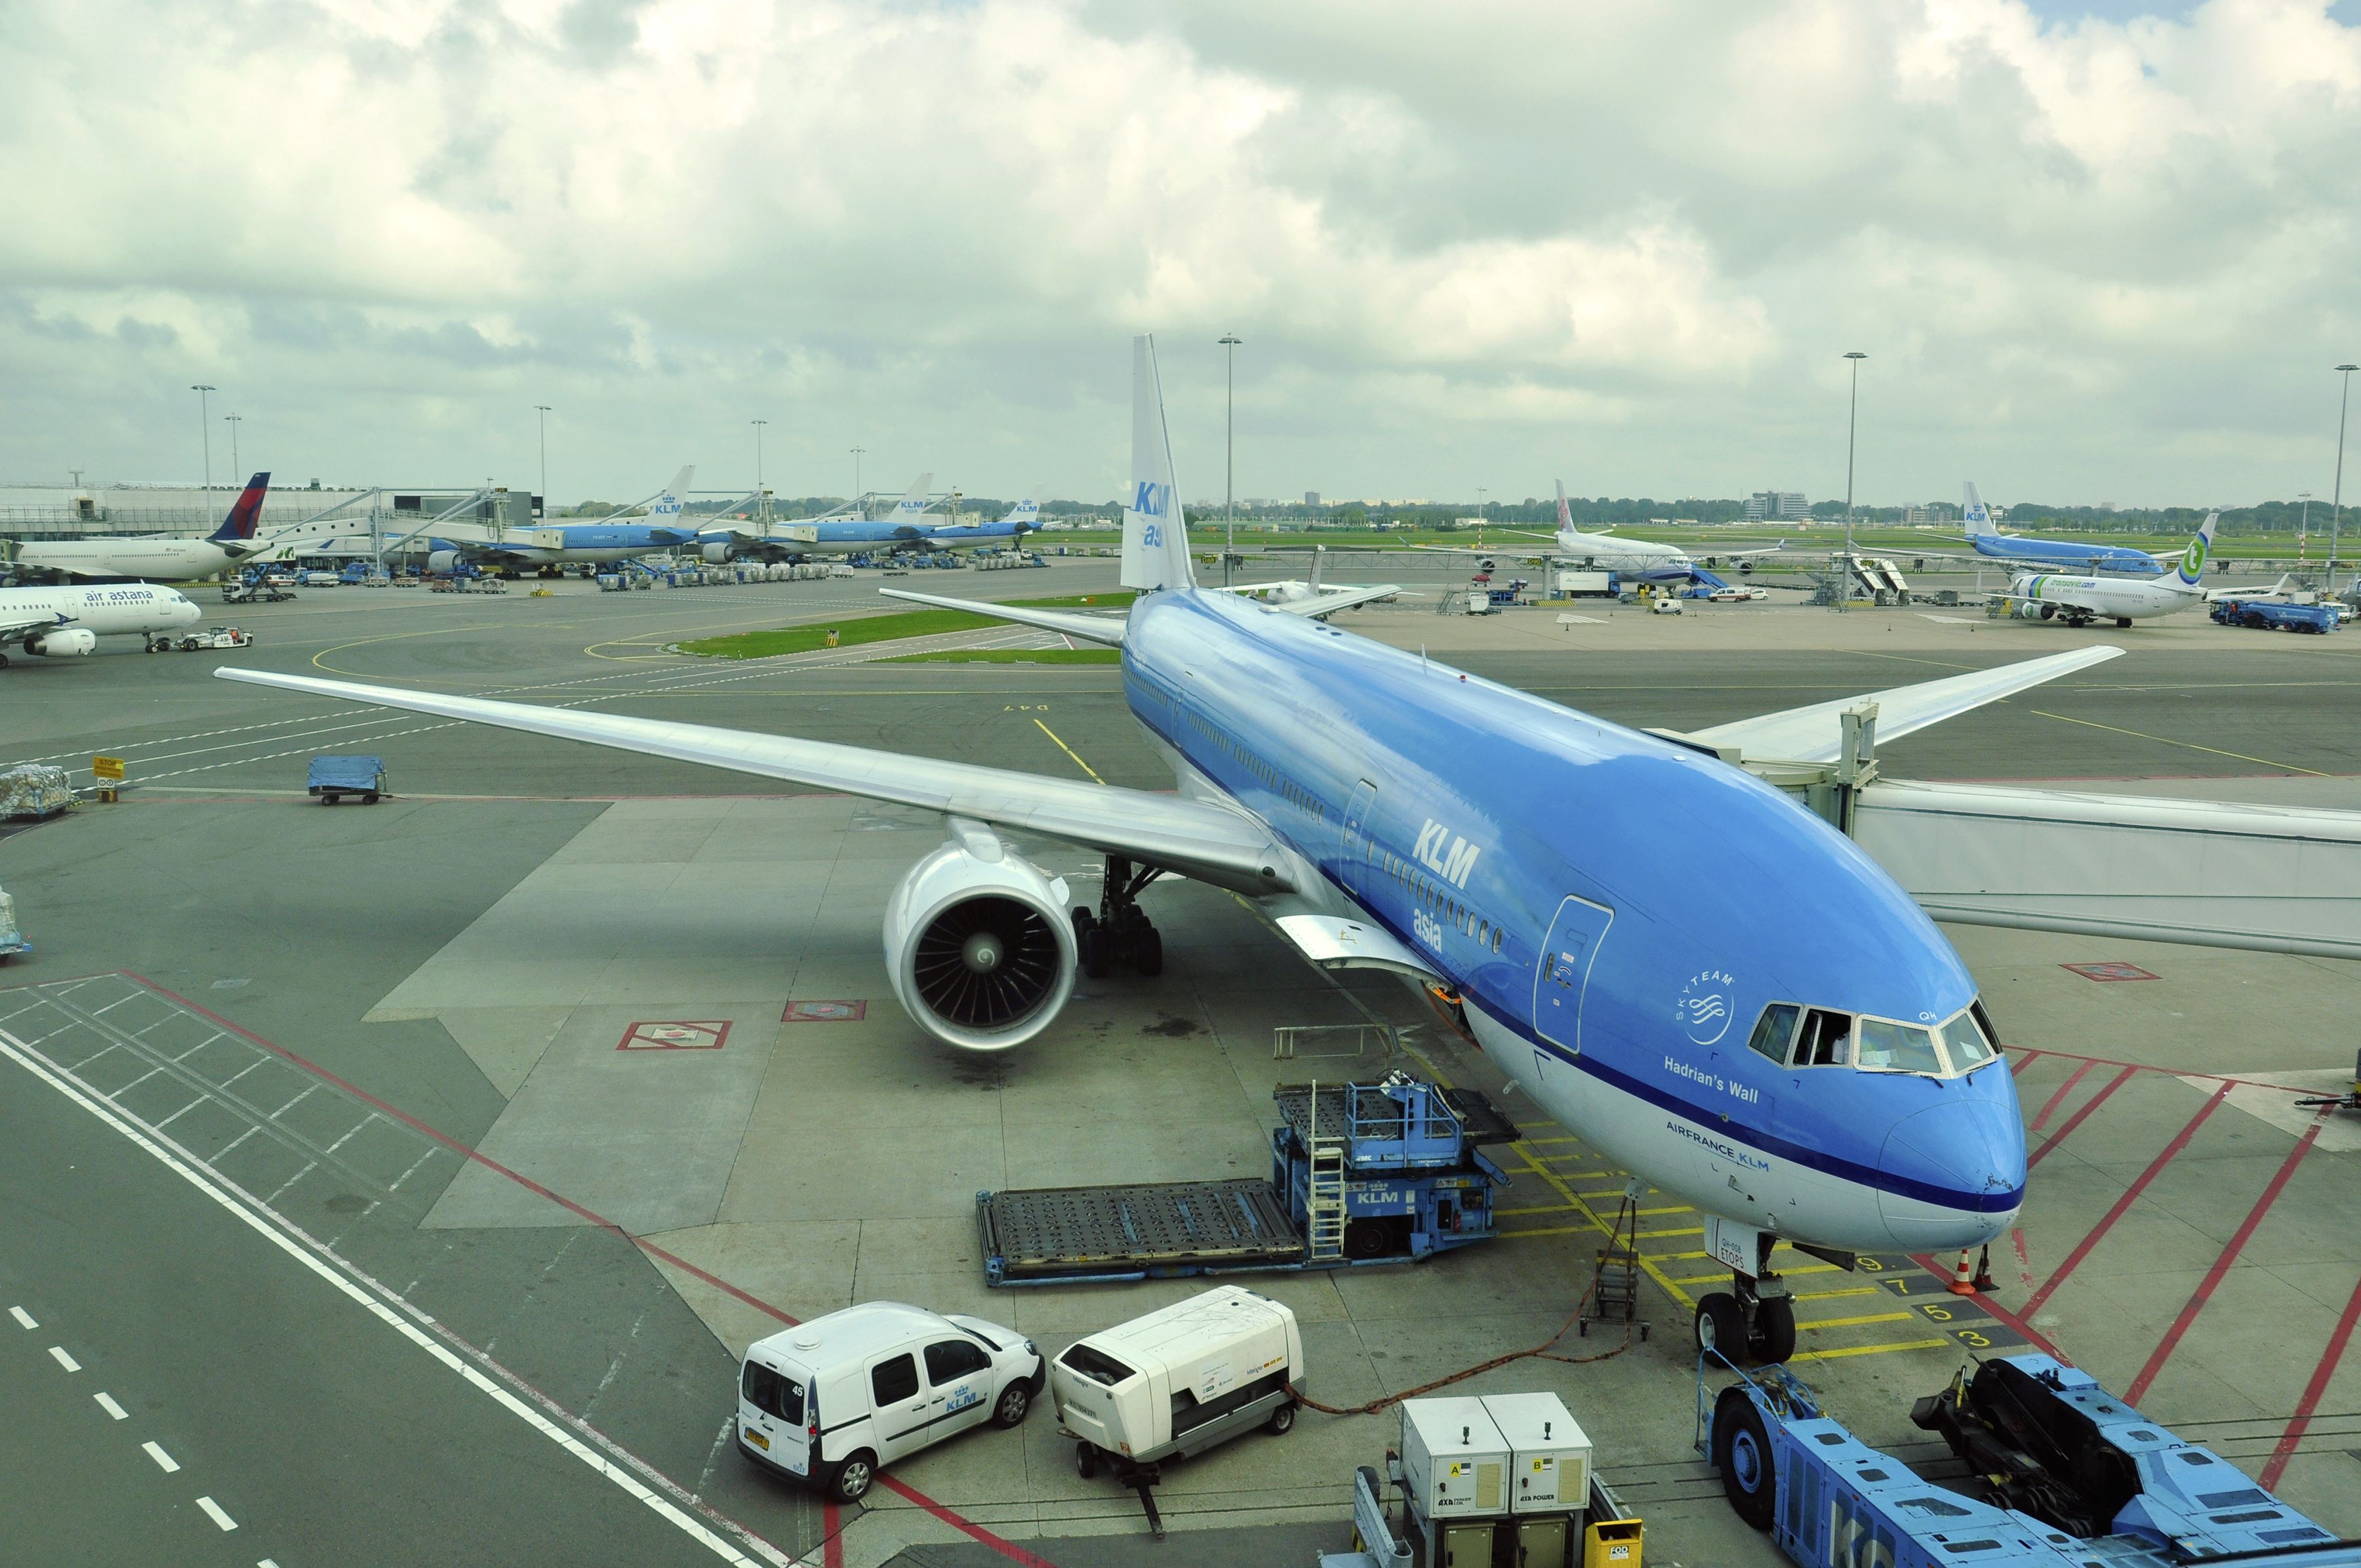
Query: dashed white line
164	1461
183	1111
213	1511
24	1319
340	1143
309	1167
58	1354
292	1103
106	1402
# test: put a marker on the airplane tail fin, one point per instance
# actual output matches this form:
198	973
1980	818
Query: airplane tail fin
1027	513
1155	528
913	505
2189	570
1974	513
245	513
675	497
1564	515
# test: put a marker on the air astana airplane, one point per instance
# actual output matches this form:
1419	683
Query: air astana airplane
1791	1045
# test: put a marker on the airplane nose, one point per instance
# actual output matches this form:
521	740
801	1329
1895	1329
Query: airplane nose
1955	1173
185	612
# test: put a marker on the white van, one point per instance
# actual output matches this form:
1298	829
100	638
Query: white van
831	1400
1178	1381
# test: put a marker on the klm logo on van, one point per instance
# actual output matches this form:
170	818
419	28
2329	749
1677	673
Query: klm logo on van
1444	853
1150	498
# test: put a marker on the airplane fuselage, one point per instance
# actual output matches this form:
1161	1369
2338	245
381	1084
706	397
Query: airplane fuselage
1488	831
2066	555
112	610
2101	599
1605	553
132	560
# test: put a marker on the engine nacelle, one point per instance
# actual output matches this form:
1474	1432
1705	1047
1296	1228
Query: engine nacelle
66	643
716	552
441	560
979	943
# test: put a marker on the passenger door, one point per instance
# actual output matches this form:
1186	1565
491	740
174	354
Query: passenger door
899	1405
1353	846
960	1391
1562	975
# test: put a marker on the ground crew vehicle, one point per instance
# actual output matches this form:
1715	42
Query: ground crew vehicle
212	637
333	778
832	1400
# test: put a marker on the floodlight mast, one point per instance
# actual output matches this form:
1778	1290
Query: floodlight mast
1852	431
2337	513
1230	341
205	434
542	411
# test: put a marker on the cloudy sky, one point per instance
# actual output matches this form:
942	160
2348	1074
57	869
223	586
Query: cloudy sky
2095	251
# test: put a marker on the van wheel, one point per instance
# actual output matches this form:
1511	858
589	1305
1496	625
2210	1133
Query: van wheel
1086	1459
851	1482
1282	1420
1016	1400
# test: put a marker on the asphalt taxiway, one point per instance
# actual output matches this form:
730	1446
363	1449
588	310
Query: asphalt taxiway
444	979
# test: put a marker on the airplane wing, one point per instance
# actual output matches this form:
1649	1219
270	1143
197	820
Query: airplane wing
27	621
1335	600
1106	630
1815	734
1197	839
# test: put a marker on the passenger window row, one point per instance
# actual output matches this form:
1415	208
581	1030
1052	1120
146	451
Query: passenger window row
1287	789
1429	895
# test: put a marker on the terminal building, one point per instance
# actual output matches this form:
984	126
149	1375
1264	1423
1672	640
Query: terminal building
83	512
1776	506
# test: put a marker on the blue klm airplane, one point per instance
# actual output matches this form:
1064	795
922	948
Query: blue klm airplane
1790	1045
852	533
2054	554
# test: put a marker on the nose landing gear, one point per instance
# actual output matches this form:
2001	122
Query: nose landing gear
1756	1318
1119	933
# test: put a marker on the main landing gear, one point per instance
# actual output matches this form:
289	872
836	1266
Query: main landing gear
1119	933
1756	1318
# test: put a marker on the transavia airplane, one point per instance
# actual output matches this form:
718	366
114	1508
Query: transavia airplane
2079	601
849	533
1792	1046
153	560
67	622
2056	554
1607	551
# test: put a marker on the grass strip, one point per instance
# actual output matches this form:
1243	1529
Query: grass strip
811	636
1011	656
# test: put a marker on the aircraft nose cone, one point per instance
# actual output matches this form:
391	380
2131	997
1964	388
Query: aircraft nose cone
1954	1174
185	612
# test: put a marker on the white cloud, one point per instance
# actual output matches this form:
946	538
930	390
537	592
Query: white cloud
1467	246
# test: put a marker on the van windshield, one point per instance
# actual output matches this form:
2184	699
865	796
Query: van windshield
1095	1365
773	1394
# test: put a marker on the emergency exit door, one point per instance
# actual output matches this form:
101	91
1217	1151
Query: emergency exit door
1562	975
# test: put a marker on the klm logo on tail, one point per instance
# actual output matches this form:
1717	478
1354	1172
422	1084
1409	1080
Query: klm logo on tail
1151	499
1452	864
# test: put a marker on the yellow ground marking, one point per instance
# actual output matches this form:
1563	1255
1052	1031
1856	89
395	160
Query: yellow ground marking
1659	1235
1869	1350
1567	1209
318	659
2188	745
1582	1230
1827	1295
1855	1323
1791	1268
1569	1139
1647	1263
1070	752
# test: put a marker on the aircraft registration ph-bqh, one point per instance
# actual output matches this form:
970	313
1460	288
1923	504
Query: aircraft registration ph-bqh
1790	1045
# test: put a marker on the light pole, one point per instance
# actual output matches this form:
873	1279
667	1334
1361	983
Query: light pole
856	478
205	432
233	421
2336	513
762	500
1229	342
540	413
1852	431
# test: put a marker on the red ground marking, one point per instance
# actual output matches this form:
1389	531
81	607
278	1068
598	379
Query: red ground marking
2025	1060
2312	1392
2033	1336
2063	1091
2205	1286
2024	1259
831	1535
2131	1194
2108	972
2065	1128
677	1034
975	1531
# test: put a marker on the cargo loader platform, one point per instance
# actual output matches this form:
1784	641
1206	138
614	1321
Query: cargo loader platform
1361	1173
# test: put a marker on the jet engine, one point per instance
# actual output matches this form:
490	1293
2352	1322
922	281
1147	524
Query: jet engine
66	643
715	551
441	560
979	944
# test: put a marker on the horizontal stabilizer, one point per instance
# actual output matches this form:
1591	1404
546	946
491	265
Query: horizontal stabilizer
1335	600
1815	734
1101	628
1333	942
1196	839
2270	879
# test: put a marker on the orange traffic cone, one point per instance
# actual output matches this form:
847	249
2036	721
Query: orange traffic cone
1963	1279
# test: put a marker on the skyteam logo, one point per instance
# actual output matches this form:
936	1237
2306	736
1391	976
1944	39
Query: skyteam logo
1704	1008
1150	498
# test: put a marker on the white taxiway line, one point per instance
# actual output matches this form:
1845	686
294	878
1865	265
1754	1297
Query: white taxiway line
24	1319
58	1354
106	1402
14	1050
213	1511
164	1461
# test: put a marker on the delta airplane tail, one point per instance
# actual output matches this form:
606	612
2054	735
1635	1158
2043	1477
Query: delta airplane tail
1975	514
2188	572
245	513
1155	530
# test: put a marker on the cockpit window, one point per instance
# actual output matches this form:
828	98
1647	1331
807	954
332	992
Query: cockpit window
1887	1046
1825	1039
1773	1029
1965	1042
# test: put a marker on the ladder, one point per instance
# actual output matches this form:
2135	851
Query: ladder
1324	1207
